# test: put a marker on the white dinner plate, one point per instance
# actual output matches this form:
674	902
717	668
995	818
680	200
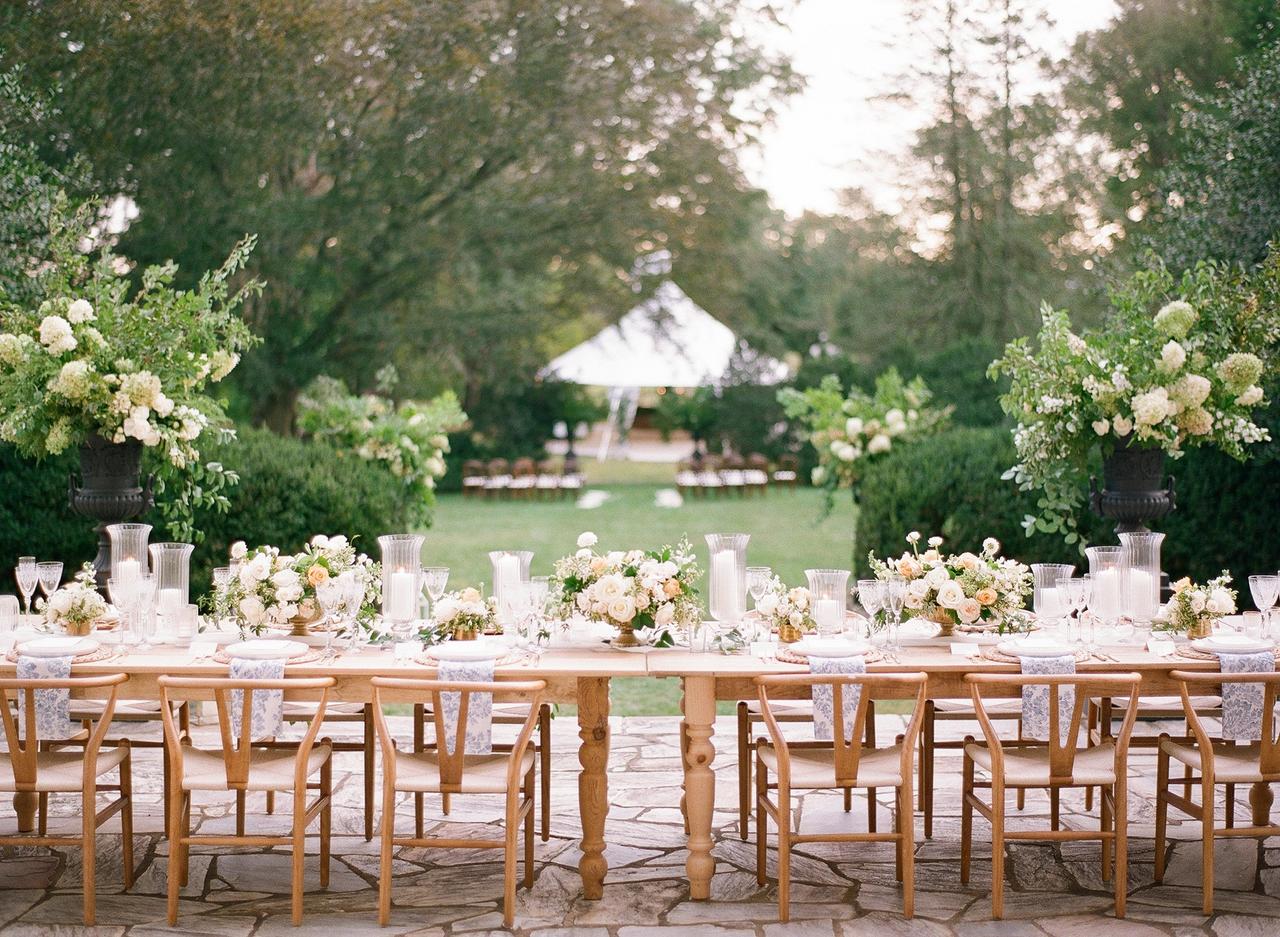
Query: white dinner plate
478	649
266	649
1232	644
829	647
917	631
58	645
978	637
1034	647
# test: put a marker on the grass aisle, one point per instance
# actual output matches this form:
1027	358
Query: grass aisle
785	529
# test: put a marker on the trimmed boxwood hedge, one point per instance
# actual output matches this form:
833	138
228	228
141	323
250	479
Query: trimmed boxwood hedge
1225	518
289	490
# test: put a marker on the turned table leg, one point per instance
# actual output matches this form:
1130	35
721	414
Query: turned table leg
593	782
699	781
24	802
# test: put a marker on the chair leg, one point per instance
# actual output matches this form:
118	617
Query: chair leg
1229	797
544	759
184	851
42	814
1162	811
1121	821
784	855
388	832
744	770
997	849
511	831
871	743
239	813
907	849
299	847
1055	807
175	847
528	830
369	743
126	820
927	742
271	802
326	819
89	845
1206	848
419	742
1092	725
966	819
1107	804
762	820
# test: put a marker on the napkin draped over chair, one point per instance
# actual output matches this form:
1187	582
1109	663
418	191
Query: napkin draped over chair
824	697
1242	702
1035	697
479	729
53	707
267	715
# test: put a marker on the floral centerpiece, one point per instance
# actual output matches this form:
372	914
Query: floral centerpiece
1194	607
786	611
645	594
969	591
276	590
77	606
850	430
1179	363
464	614
409	438
97	360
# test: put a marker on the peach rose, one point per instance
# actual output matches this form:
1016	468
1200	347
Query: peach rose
317	575
986	596
671	587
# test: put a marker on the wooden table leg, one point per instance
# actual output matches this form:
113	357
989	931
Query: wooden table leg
593	781
1260	798
24	803
699	781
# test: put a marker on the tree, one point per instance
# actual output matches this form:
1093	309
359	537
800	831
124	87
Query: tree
1127	84
432	182
1220	199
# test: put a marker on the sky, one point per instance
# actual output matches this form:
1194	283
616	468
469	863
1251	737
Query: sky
835	134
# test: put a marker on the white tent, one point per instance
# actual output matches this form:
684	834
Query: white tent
666	341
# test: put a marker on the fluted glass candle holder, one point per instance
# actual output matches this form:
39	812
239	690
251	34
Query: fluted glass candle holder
728	577
1141	598
1107	574
510	574
171	565
401	580
1048	604
827	591
129	557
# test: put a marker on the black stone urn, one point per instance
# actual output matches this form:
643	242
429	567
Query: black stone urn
1134	490
109	491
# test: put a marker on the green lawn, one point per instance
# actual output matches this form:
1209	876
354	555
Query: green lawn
786	529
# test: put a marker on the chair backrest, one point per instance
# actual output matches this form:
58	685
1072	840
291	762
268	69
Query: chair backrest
757	461
499	467
1192	683
472	467
237	747
1064	740
848	751
789	462
452	757
523	466
24	745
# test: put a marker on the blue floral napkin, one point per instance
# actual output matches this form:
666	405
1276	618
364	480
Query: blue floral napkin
267	718
479	737
1035	698
824	717
1242	702
53	720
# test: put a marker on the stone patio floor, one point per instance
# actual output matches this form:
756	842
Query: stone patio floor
838	891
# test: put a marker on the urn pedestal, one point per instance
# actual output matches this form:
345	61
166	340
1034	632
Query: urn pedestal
109	491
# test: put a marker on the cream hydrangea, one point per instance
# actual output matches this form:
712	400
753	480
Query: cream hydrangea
1251	396
1240	370
1172	357
1152	407
74	380
1196	421
1176	318
1190	390
12	350
80	311
55	335
143	388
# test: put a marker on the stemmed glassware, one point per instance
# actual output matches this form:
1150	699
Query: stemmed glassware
1265	590
332	596
1076	593
434	580
870	593
758	579
27	576
50	574
895	594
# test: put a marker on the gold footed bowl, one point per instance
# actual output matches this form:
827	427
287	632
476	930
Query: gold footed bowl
626	637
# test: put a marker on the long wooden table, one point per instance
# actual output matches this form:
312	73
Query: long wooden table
581	675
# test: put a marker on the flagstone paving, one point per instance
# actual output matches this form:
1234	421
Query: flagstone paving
846	890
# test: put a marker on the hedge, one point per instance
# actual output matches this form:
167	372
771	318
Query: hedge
951	485
289	490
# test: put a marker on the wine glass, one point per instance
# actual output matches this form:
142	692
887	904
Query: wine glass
125	596
434	580
1078	590
1264	590
145	616
331	594
758	579
50	575
27	576
895	594
871	596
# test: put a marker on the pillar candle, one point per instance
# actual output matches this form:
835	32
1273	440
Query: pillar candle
829	614
128	571
727	593
400	596
1106	599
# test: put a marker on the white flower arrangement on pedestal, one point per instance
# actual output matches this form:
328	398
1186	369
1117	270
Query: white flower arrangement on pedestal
1194	606
76	606
464	612
788	612
970	591
648	592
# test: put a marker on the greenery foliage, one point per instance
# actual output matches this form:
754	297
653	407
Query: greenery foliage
35	518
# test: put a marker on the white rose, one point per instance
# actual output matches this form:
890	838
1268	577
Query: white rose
918	588
587	539
665	614
584	601
238	550
1220	602
879	443
252	609
950	595
796	619
1197	602
611	587
799	597
913	601
80	311
642	601
768	604
969	610
320	541
622	609
1102	427
937	577
1122	425
447	610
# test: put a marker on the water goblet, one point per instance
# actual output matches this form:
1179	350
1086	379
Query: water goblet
758	579
871	596
895	594
27	576
8	613
434	580
331	595
50	575
145	617
1264	590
